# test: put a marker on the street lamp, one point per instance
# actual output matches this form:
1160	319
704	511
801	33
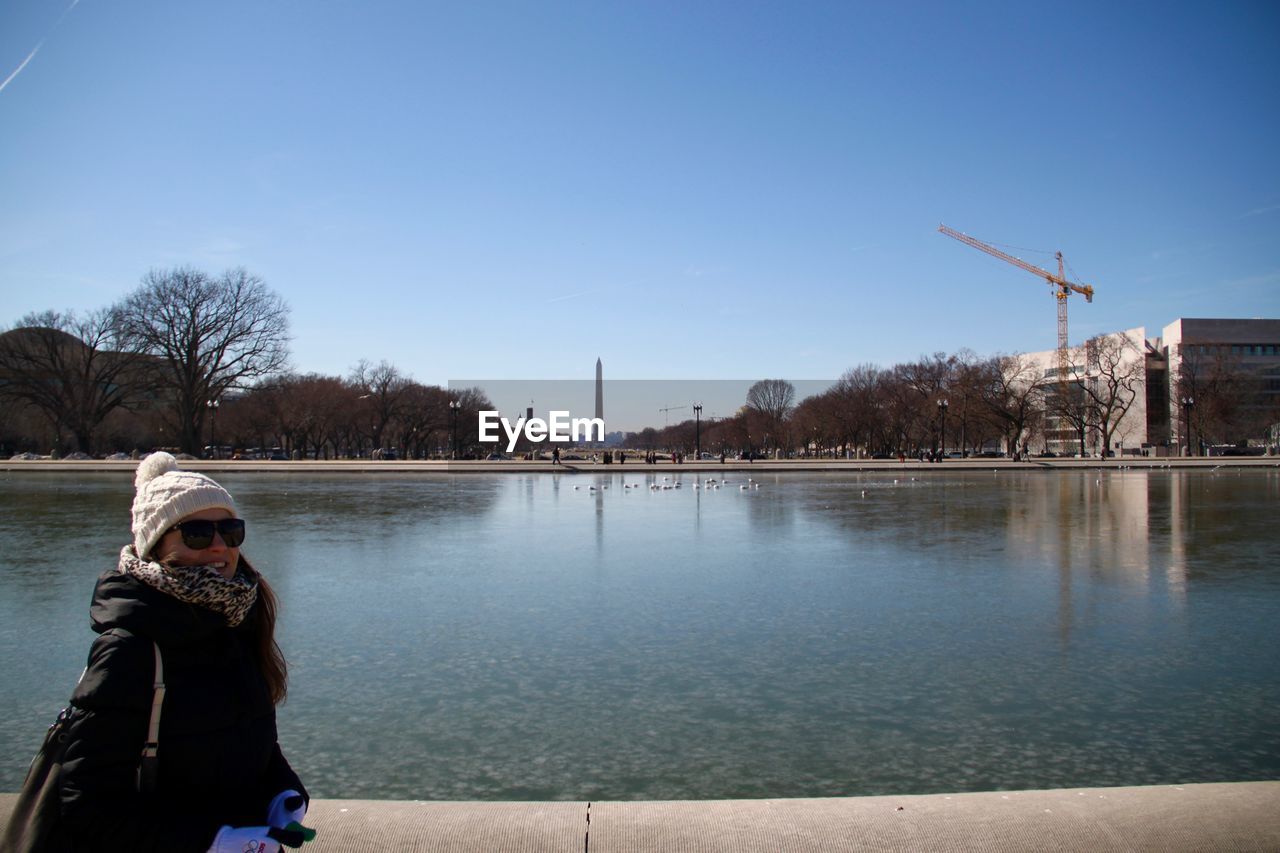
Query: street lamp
942	428
1187	403
454	406
697	431
212	405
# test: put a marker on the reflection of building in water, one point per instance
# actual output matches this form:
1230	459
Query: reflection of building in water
1179	507
1210	381
1089	521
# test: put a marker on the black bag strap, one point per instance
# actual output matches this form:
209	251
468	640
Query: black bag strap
149	765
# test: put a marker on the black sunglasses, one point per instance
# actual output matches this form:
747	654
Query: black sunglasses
197	534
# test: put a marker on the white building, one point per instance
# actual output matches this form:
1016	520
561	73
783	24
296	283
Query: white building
1106	393
1139	394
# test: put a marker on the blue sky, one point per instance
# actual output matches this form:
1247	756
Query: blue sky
685	189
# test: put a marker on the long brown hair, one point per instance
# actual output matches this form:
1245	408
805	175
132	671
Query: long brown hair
270	659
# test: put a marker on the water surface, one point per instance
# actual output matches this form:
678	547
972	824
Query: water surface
529	637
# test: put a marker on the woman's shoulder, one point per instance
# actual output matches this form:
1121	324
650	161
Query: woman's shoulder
120	671
122	601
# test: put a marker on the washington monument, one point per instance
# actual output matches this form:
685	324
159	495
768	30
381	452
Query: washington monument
599	390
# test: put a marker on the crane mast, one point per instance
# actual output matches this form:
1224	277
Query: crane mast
1062	288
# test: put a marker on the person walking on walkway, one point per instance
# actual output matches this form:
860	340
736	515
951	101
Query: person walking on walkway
181	587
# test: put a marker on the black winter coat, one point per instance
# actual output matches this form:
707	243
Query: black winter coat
219	760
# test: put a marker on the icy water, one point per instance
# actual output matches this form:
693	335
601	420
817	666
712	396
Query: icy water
528	637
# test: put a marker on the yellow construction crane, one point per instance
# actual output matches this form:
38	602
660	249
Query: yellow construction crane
1062	287
666	409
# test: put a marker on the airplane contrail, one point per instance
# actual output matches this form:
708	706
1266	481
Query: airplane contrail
18	70
31	55
74	3
571	296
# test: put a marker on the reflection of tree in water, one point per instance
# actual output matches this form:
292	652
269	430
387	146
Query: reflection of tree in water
86	515
768	509
1067	522
912	511
1218	521
364	506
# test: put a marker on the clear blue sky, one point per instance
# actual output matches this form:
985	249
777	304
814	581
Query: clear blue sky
684	189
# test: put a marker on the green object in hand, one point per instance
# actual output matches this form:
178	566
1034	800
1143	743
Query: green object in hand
294	835
308	834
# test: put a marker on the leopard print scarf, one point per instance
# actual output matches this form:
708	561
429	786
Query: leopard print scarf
198	585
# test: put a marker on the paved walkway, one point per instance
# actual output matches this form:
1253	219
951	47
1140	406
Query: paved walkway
1241	816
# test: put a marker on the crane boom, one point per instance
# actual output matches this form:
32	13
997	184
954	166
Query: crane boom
1064	288
666	409
1059	280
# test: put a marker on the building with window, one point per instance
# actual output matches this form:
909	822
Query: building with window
1203	386
1223	381
1098	398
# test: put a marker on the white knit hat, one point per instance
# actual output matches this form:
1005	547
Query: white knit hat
166	495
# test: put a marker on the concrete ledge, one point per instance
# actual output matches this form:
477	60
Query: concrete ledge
1237	816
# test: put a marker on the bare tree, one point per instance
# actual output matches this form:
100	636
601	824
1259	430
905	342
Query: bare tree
815	422
1013	392
918	387
327	400
75	369
966	417
772	401
1068	402
208	335
471	401
1230	401
384	391
255	419
424	421
302	408
1115	375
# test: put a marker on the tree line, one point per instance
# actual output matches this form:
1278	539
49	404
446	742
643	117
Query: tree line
198	363
1011	404
191	361
942	402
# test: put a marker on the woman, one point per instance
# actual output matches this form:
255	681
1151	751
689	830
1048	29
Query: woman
222	784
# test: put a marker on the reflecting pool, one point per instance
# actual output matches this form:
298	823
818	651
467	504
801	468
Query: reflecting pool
599	636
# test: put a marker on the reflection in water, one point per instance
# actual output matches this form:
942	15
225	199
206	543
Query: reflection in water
515	637
1086	521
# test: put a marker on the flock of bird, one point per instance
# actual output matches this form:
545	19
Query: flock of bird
710	484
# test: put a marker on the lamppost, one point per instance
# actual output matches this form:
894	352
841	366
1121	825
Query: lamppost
942	428
1187	403
697	431
212	405
454	405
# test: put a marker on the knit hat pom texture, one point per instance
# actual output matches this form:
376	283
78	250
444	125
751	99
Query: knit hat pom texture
153	466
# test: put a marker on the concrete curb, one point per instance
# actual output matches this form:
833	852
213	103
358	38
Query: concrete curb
1228	816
